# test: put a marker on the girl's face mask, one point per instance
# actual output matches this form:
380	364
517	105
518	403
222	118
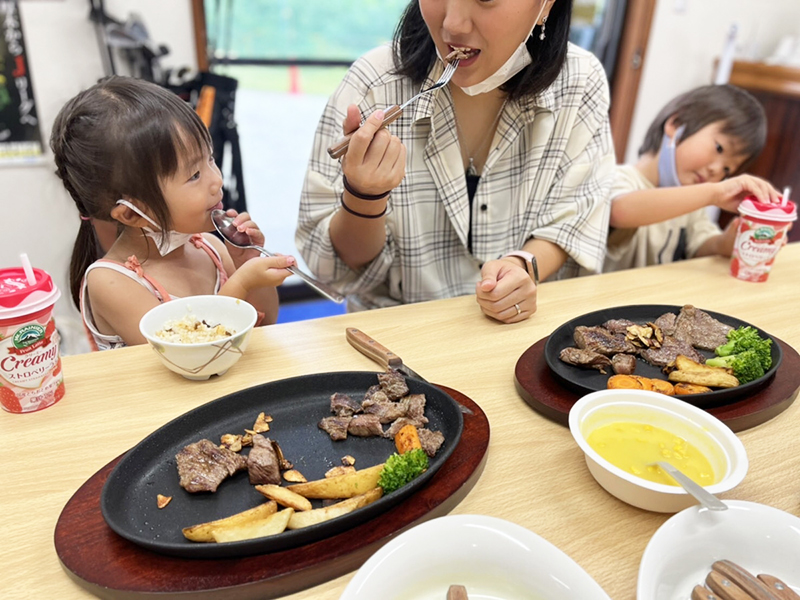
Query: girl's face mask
667	166
167	241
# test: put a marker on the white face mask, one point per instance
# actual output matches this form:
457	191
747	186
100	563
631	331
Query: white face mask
520	59
166	242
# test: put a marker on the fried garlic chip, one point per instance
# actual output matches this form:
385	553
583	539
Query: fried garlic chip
162	501
231	441
294	476
262	423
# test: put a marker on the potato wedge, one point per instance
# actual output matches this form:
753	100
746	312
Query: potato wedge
708	378
685	389
339	470
684	363
319	515
284	496
202	531
271	525
342	486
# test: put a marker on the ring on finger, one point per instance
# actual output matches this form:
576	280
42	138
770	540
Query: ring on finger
518	308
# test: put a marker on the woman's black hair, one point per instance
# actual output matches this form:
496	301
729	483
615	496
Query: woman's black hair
120	139
415	53
742	117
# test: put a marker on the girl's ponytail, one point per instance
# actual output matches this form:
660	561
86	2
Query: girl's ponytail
84	253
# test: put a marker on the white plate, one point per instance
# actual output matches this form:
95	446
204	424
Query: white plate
494	559
756	537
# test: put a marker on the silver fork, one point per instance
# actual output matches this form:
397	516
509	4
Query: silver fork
340	148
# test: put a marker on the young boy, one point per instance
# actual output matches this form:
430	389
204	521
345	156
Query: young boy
688	160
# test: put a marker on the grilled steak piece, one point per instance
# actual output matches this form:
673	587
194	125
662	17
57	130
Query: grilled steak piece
387	411
666	323
336	427
601	341
623	364
700	329
399	424
365	426
431	441
262	462
374	394
393	384
618	325
670	348
202	466
585	358
416	408
343	405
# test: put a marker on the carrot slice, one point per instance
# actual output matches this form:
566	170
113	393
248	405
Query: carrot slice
624	382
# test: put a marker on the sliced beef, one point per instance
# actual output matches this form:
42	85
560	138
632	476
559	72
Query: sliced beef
387	411
623	364
585	358
670	348
263	465
602	341
374	394
666	323
365	426
618	325
343	405
700	329
416	408
431	441
336	427
399	424
202	466
393	384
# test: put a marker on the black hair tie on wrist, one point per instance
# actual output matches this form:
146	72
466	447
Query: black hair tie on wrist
361	196
362	215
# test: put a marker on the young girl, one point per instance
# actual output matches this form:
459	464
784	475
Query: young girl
133	153
689	159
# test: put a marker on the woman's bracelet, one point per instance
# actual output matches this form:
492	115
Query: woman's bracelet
361	196
362	215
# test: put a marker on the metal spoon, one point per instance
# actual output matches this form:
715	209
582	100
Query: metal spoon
224	225
707	499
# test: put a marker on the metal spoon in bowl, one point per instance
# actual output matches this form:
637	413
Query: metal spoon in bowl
707	499
224	225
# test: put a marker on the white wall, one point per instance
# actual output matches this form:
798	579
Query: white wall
64	58
686	37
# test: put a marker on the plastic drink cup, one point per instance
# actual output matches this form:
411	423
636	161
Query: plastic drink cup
30	362
763	230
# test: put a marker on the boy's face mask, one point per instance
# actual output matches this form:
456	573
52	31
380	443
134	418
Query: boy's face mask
667	166
166	241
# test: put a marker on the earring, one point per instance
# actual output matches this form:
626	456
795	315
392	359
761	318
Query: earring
544	22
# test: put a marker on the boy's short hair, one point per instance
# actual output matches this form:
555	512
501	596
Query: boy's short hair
742	115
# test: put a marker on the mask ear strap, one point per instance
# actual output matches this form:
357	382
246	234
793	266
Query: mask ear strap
137	211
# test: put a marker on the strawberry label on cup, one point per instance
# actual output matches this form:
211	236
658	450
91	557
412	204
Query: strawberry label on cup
28	356
761	234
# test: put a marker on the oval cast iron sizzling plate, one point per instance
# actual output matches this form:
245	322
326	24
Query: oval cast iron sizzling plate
128	499
584	381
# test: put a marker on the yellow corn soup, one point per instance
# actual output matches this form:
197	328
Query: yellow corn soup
634	447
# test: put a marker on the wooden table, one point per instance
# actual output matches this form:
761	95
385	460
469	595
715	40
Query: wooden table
535	475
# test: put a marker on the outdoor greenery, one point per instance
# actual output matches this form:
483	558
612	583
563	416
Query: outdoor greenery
300	29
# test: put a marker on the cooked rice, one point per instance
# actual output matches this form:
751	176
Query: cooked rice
191	330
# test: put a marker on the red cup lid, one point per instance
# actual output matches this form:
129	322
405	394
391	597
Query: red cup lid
16	292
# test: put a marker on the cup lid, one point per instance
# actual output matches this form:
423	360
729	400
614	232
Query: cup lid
18	297
751	207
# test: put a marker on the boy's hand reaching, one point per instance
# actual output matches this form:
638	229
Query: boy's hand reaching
732	191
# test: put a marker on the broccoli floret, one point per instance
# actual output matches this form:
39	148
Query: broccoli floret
402	468
747	338
746	365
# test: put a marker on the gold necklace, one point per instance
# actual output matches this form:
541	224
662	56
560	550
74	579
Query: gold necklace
471	170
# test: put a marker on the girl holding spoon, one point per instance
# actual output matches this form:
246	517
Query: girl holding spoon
481	186
133	153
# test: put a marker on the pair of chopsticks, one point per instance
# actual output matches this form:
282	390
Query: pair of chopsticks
729	581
